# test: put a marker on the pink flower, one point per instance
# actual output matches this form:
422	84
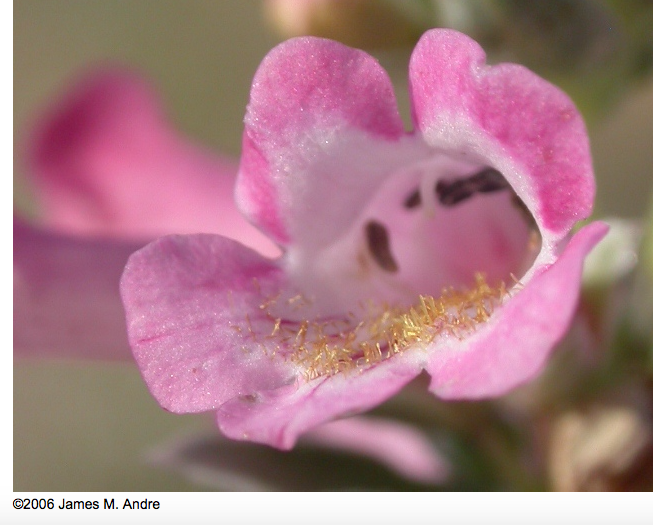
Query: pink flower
105	161
109	171
66	297
374	224
110	174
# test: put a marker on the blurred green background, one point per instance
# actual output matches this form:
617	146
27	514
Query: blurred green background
81	426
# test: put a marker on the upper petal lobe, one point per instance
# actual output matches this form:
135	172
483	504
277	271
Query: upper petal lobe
528	128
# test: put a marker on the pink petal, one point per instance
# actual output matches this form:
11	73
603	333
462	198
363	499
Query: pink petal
527	128
401	447
306	92
105	161
66	297
189	300
513	345
278	417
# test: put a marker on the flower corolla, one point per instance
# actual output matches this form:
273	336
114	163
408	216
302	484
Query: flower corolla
446	249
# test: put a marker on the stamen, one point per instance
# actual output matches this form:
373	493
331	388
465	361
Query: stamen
453	191
489	180
378	242
526	214
413	200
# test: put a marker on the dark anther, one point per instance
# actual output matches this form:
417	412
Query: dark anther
453	191
489	180
413	200
378	242
526	214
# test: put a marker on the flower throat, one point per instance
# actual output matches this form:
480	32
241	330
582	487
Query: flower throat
324	346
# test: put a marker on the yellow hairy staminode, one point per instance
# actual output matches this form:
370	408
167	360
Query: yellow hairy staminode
329	346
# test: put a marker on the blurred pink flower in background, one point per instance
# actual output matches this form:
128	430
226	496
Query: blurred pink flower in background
374	223
109	173
66	300
106	161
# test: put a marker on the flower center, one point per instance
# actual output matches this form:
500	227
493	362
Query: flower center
431	225
414	266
